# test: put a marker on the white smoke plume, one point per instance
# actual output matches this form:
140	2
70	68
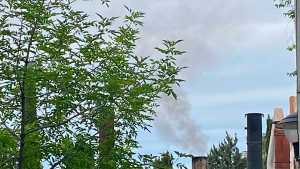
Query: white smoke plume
175	124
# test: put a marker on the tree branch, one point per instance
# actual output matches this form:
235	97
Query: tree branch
52	125
57	163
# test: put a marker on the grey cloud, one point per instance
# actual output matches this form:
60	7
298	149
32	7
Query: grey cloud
210	29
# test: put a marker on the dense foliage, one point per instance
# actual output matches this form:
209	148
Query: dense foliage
73	93
226	155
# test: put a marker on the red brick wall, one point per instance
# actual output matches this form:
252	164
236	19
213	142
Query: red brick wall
282	150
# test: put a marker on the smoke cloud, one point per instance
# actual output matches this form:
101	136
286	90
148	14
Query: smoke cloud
176	125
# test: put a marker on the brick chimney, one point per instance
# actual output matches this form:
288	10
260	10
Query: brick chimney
199	162
293	104
282	145
282	150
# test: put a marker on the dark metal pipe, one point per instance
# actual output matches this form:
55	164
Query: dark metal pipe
254	140
296	150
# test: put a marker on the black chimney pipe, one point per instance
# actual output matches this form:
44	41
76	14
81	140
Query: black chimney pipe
254	140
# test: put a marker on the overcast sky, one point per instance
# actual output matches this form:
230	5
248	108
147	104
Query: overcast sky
237	60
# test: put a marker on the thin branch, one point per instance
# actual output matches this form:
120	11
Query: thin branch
52	125
57	163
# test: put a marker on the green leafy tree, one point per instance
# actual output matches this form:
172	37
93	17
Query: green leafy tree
226	155
8	149
73	93
78	155
165	161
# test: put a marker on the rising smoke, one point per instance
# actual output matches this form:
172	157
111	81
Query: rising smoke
176	125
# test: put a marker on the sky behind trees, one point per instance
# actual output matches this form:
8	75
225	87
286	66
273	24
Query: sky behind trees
237	59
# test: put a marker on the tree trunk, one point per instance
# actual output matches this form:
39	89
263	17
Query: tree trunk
107	140
29	153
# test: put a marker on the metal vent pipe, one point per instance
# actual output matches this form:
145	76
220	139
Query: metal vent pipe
254	140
